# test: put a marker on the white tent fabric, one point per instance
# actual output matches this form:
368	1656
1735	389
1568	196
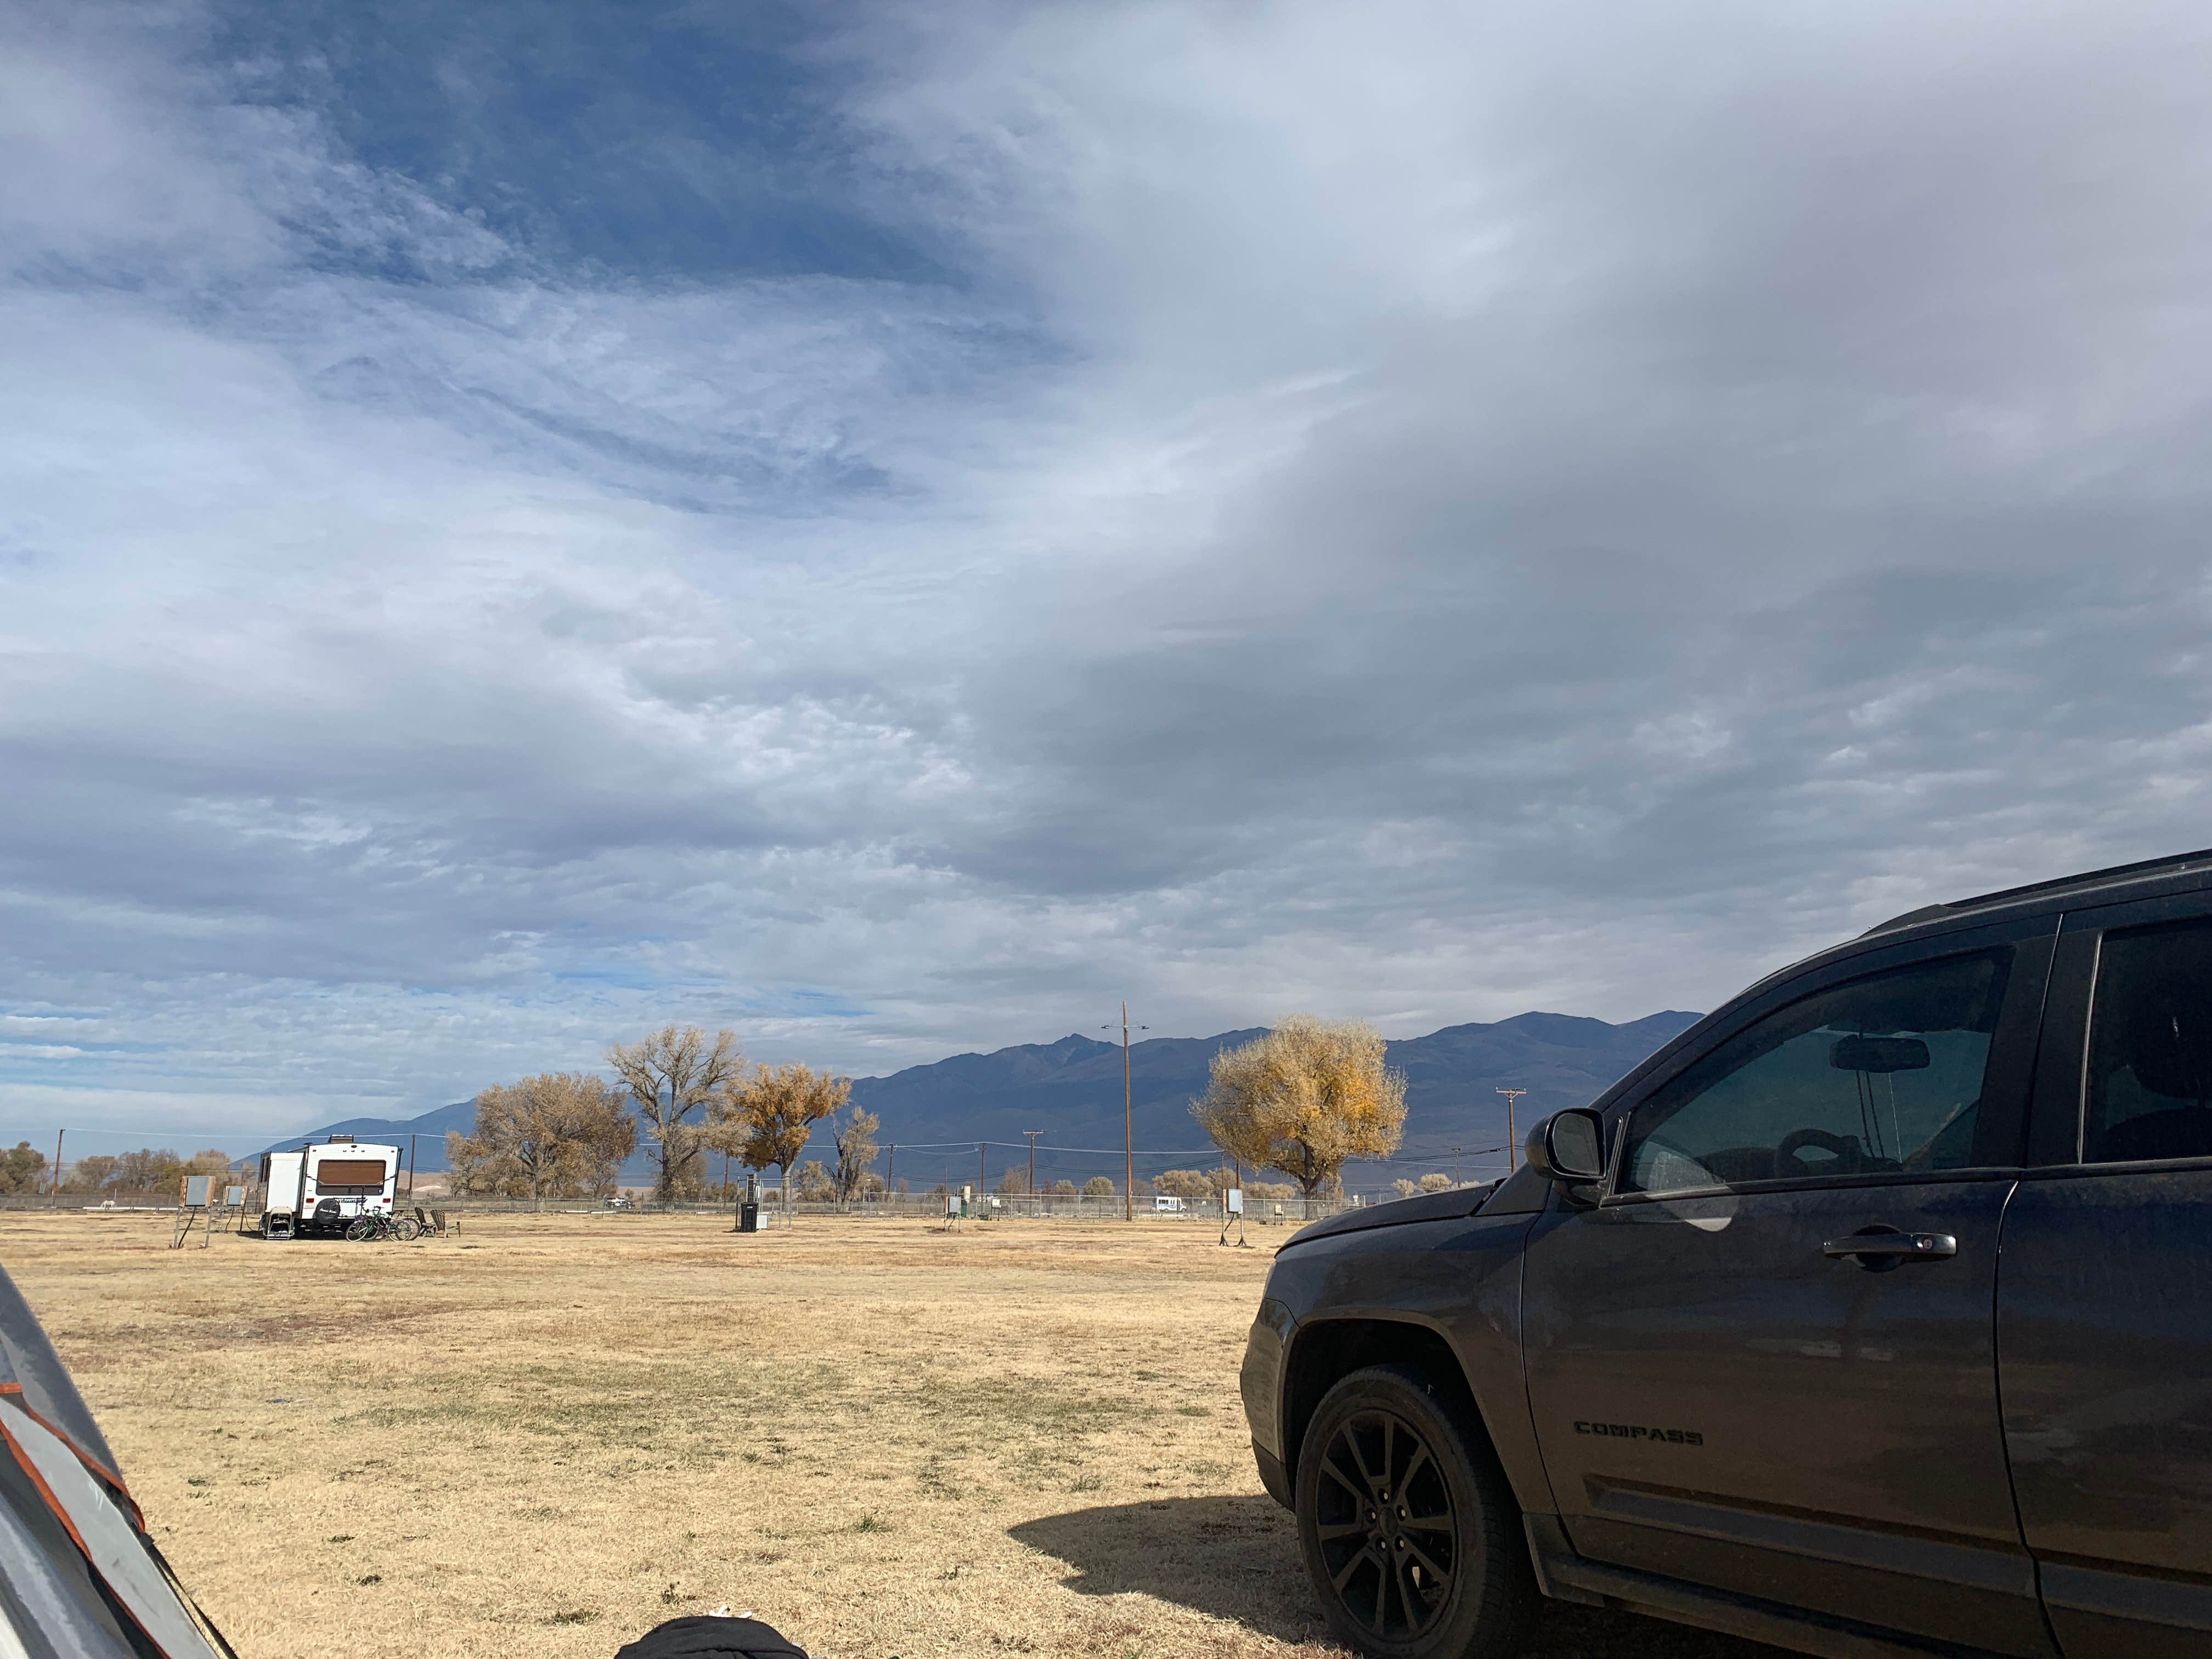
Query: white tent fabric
29	1362
110	1539
79	1577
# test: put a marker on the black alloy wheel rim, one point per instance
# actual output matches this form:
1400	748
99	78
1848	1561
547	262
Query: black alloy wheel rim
1383	1517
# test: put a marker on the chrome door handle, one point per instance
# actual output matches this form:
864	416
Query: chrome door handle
1891	1247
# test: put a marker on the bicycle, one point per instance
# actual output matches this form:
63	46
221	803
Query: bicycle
405	1229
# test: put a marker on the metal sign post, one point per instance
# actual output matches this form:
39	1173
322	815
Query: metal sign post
1232	1204
191	1209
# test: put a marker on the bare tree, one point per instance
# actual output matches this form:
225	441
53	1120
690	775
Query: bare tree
559	1132
90	1173
768	1117
1304	1099
1404	1187
1435	1181
1098	1187
1185	1184
855	1139
672	1074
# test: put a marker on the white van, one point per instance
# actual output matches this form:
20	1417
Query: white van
1162	1205
325	1189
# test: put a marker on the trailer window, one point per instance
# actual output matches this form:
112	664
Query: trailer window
350	1172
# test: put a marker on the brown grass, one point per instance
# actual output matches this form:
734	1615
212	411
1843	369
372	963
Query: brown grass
548	1434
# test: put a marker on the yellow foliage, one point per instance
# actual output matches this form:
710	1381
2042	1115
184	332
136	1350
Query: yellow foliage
768	1117
1304	1099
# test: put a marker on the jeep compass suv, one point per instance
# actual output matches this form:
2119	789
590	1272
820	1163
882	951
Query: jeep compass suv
1871	1316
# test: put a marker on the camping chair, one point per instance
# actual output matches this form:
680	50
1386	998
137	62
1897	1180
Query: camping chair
434	1221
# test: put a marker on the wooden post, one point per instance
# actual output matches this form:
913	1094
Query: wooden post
1511	1151
1128	1132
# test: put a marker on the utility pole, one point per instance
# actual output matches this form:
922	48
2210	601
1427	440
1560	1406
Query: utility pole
54	1196
1456	1162
889	1170
1032	1135
1511	1148
1128	1134
979	1176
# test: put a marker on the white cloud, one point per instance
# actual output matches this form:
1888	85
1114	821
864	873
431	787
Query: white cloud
1396	511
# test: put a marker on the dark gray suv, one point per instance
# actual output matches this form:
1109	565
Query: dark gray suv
1872	1315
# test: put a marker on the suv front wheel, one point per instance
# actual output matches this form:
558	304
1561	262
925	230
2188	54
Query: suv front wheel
1410	1535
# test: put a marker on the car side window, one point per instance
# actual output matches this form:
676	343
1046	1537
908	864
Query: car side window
2150	1046
1882	1075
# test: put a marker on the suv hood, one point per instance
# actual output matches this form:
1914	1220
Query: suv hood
1447	1205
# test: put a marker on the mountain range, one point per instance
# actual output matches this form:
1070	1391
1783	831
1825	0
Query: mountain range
1071	1090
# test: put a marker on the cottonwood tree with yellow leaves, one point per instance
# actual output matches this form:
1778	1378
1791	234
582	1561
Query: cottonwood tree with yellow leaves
1304	1099
767	1117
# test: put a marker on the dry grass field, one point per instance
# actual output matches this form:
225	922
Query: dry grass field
547	1434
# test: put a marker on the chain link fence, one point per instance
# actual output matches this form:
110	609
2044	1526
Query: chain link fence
991	1206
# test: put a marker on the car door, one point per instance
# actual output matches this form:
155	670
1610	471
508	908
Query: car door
1724	1391
2104	1293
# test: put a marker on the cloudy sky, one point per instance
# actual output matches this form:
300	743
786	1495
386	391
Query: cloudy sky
893	526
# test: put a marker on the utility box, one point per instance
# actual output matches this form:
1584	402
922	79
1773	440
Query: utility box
749	1217
194	1195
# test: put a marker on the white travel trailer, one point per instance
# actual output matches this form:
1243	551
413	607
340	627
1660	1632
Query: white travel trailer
325	1189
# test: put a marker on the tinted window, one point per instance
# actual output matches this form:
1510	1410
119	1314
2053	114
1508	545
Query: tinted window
1880	1076
2150	1046
350	1172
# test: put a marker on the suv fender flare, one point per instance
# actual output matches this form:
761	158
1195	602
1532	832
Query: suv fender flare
1323	1349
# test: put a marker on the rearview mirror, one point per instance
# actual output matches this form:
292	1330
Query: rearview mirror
1866	1054
1569	1146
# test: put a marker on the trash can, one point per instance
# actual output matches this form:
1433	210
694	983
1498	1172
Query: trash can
748	1218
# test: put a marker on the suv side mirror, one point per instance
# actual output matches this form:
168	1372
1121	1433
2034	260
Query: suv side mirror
1569	1146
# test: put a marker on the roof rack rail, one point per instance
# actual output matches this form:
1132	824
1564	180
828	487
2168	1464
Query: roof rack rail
2173	864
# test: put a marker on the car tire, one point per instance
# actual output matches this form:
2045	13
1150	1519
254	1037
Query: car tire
1410	1534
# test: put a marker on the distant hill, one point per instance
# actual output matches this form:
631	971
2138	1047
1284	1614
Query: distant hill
1072	1090
431	1127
